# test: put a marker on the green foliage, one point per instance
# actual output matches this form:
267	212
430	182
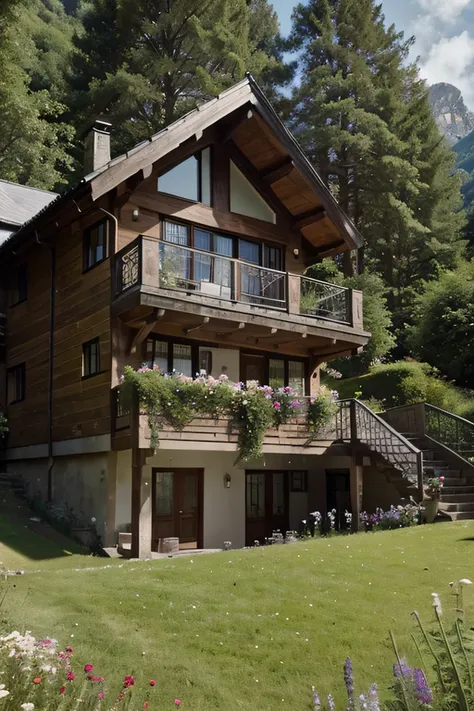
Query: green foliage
443	333
403	383
178	399
321	410
362	114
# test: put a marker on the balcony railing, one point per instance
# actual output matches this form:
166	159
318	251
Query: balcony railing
169	266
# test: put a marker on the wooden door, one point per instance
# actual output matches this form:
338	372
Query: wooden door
252	367
338	492
267	505
177	506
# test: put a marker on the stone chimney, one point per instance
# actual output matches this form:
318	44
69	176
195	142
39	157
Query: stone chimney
97	146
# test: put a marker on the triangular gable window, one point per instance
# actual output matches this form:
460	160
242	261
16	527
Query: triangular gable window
245	199
190	179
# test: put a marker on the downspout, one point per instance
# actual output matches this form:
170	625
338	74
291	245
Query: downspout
52	306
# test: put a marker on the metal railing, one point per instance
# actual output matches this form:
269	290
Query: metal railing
128	267
187	269
451	430
324	300
354	420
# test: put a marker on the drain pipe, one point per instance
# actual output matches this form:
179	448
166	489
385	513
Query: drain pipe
52	304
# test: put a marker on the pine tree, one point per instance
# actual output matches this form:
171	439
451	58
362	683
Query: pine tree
362	114
146	62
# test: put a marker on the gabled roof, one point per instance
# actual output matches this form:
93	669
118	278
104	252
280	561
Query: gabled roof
19	203
308	194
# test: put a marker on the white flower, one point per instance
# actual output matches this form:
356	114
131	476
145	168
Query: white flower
465	581
28	706
93	519
3	693
437	603
244	402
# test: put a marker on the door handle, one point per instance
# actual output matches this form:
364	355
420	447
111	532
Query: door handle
180	512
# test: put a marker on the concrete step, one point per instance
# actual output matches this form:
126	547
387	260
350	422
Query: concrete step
450	481
460	515
457	498
449	506
447	490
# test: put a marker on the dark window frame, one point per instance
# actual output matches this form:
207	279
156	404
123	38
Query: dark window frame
171	342
86	245
303	487
87	358
286	360
19	294
198	156
20	383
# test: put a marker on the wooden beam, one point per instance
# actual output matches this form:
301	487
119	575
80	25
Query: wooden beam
270	334
238	118
291	341
146	329
309	218
189	329
277	171
226	334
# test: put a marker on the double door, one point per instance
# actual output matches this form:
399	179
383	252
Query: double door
177	506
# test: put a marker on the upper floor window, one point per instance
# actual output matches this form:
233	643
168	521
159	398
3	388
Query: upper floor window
170	357
16	383
19	291
245	199
95	244
90	358
190	179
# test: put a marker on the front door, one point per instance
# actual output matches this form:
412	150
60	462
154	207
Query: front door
252	367
338	490
267	505
177	506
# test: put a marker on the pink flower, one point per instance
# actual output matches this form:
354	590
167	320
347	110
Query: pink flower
146	705
276	405
46	642
177	702
128	681
69	650
70	676
62	689
97	678
100	695
441	478
88	668
37	680
152	682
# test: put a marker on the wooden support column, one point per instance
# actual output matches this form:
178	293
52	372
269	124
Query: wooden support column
294	294
150	268
110	534
141	491
356	472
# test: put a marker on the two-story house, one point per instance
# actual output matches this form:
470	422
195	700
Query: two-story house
188	252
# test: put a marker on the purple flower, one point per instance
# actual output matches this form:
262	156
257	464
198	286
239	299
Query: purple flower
316	700
349	680
331	703
423	691
374	703
295	404
401	669
276	405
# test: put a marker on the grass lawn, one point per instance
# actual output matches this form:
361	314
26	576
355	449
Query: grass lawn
250	629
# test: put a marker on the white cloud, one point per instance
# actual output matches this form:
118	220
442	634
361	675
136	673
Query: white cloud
445	10
451	60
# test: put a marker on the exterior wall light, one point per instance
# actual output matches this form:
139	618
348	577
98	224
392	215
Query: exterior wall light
296	253
135	214
227	481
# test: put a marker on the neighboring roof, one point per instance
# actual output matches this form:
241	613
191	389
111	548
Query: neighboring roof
194	123
19	203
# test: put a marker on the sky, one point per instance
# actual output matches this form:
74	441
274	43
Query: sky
444	31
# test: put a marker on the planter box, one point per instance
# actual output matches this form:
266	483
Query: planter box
431	507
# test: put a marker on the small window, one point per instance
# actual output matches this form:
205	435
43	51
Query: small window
90	358
16	383
95	244
182	359
157	354
19	290
245	199
276	368
296	379
190	179
299	482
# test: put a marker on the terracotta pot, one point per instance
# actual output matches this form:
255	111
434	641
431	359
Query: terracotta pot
430	512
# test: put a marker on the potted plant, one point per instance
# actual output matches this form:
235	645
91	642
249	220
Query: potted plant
433	489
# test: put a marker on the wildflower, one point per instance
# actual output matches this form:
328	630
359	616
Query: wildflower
465	581
3	693
152	682
374	703
70	676
28	706
316	700
331	703
363	701
437	603
62	689
401	669
37	680
146	705
100	695
88	668
276	405
128	681
423	691
349	680
97	679
177	702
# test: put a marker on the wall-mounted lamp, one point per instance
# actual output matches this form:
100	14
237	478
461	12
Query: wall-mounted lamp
135	214
227	481
296	253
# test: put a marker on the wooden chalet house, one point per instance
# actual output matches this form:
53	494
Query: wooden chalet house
187	252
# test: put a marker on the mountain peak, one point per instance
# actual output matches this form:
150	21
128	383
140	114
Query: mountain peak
453	118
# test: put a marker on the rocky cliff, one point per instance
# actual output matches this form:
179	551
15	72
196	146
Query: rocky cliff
452	116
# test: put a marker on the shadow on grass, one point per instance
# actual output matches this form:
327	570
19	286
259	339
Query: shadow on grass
468	538
33	540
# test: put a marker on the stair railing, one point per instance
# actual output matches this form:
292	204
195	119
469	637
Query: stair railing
449	429
356	421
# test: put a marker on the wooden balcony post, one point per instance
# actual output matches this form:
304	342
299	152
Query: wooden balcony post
141	491
150	259
356	472
357	316
294	294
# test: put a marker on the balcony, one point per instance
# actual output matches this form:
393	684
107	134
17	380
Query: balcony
190	289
